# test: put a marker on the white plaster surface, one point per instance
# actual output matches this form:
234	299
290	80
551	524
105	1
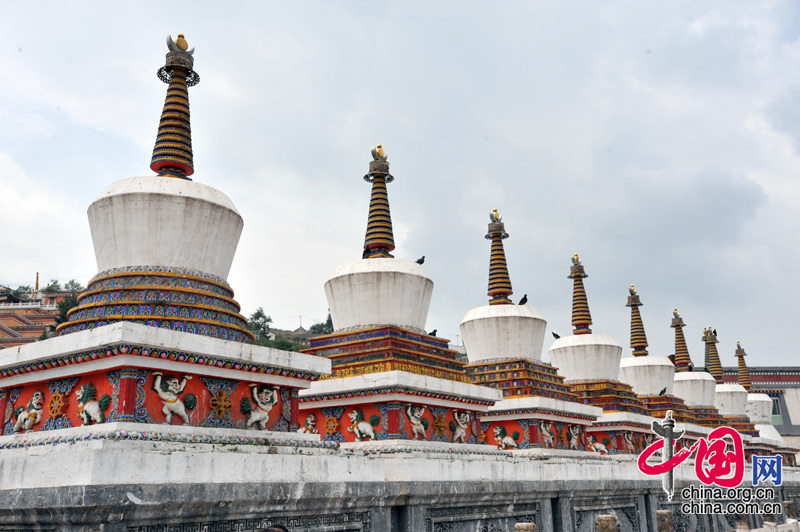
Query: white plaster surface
759	408
379	292
696	388
768	431
164	221
500	331
627	419
126	333
107	462
731	399
648	375
586	357
398	379
517	403
792	398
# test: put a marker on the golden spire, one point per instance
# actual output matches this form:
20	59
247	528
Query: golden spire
36	289
581	317
379	241
682	359
638	337
499	280
172	154
744	373
713	364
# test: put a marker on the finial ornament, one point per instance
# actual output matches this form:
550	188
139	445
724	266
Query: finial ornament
632	290
378	153
172	154
576	260
675	313
738	344
499	281
379	241
179	44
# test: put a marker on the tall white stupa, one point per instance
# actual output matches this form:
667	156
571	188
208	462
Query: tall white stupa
391	380
504	347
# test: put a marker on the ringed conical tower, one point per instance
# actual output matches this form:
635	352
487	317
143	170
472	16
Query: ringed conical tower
696	388
759	405
164	246
504	346
713	364
732	399
650	376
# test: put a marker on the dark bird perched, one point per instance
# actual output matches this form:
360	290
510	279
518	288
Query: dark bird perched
691	366
524	299
715	332
421	259
662	392
555	335
433	332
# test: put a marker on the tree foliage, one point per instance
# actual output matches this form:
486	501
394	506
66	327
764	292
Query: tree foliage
73	286
23	291
259	324
322	328
64	306
53	286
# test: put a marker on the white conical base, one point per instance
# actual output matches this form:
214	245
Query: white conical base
648	375
587	357
503	331
379	292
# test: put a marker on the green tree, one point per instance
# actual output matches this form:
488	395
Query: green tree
322	328
73	286
54	286
259	324
23	292
64	306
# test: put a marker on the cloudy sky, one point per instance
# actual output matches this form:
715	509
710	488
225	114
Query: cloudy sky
657	139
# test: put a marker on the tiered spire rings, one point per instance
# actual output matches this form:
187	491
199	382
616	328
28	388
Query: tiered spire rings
379	241
638	337
499	281
682	360
744	373
172	154
581	317
713	364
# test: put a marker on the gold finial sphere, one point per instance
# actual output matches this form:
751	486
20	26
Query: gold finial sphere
181	43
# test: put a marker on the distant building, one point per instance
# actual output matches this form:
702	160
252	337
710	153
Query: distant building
782	384
23	321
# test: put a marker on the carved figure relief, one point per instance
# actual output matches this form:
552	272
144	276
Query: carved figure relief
459	426
310	426
30	416
360	427
548	432
574	437
90	409
168	389
595	446
630	442
418	424
503	440
264	398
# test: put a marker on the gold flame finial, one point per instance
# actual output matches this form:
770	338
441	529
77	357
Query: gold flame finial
181	43
632	290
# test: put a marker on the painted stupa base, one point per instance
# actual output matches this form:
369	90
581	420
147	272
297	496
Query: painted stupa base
742	424
177	299
707	416
610	395
368	350
537	422
657	406
620	433
396	405
131	373
762	446
521	377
